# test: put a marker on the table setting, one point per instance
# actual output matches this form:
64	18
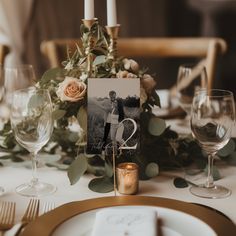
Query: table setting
95	148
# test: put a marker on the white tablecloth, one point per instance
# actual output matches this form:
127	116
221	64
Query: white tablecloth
161	186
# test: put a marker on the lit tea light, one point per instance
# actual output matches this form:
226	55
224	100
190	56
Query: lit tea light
127	178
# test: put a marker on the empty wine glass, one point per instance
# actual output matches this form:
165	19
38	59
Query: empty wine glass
32	124
212	119
18	77
191	78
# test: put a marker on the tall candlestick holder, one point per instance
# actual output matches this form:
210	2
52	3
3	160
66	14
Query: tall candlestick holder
112	48
90	43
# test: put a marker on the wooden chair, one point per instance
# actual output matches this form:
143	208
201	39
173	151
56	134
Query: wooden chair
203	48
4	50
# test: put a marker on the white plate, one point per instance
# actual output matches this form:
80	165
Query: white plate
174	217
170	223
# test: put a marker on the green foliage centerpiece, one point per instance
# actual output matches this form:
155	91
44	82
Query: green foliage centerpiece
96	58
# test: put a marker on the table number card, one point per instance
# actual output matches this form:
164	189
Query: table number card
113	115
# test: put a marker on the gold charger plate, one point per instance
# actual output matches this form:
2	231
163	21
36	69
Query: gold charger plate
47	223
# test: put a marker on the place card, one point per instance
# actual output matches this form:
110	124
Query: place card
125	221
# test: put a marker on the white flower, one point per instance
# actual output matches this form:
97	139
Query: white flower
83	77
69	66
122	74
131	75
125	74
71	89
130	64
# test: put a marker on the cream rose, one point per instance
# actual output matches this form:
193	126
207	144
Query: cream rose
125	74
130	64
71	89
148	83
122	74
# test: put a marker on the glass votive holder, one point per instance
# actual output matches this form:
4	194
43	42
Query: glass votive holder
127	178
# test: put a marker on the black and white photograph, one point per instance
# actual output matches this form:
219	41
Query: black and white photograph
113	114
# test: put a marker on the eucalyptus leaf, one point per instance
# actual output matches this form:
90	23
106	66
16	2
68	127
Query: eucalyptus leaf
49	158
231	160
156	97
58	166
99	60
51	74
82	118
180	183
96	170
77	169
108	169
67	161
156	126
227	149
152	170
17	159
6	157
73	137
35	101
58	114
101	185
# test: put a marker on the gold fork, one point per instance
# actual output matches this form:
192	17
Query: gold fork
48	206
7	215
31	213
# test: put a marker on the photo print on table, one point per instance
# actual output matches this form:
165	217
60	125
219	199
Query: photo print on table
113	115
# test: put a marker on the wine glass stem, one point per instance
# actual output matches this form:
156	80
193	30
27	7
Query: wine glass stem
210	180
34	180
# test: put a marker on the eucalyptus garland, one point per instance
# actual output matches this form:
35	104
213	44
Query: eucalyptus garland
160	147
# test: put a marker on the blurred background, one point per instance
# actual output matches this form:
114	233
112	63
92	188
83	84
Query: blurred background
24	24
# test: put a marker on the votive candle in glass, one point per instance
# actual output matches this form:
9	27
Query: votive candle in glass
127	178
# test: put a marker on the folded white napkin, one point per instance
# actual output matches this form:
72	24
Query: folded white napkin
131	221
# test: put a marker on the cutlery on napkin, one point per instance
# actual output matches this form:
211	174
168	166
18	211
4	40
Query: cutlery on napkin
130	221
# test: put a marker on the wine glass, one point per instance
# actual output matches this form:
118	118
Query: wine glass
32	124
14	78
18	77
212	119
191	78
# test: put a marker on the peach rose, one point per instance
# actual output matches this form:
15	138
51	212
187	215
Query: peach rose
148	83
71	89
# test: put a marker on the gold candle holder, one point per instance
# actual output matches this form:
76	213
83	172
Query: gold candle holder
90	44
112	49
127	178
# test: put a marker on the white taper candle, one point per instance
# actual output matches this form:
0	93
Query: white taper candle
111	13
88	9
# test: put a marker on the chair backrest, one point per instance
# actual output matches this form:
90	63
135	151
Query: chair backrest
203	48
4	50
